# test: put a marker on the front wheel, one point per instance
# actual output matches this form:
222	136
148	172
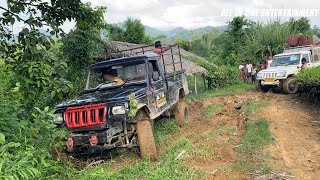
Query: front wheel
289	86
264	89
146	139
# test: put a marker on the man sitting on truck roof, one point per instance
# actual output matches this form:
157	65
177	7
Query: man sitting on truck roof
159	49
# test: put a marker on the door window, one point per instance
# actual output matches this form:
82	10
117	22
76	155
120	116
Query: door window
306	56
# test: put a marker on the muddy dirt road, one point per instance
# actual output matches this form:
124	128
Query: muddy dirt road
217	131
295	127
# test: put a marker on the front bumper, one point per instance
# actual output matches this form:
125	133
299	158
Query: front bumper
89	142
273	82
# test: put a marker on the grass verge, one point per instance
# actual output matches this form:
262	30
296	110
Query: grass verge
250	152
253	107
225	91
212	110
167	167
164	129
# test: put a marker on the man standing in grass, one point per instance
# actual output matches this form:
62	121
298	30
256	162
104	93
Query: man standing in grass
253	74
249	69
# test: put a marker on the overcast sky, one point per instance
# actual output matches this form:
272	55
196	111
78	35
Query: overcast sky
190	14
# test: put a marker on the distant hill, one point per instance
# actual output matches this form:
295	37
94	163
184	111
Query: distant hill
184	33
179	31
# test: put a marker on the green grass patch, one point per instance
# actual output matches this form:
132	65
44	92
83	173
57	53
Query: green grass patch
253	106
212	110
250	153
220	130
225	91
204	148
167	167
164	129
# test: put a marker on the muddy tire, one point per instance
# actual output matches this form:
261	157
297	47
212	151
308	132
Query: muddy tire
289	86
261	88
182	113
146	141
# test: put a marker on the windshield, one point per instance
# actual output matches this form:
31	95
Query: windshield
116	75
292	59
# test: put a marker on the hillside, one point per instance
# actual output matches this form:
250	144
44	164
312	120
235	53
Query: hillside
184	33
179	31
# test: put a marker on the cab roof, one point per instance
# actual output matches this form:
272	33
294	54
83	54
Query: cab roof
122	60
289	53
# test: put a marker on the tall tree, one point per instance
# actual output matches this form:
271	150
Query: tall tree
301	25
132	32
82	45
28	57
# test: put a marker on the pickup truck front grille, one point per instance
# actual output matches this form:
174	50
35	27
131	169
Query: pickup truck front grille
269	75
84	116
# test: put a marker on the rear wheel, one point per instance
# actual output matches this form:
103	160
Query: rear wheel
289	86
146	138
182	113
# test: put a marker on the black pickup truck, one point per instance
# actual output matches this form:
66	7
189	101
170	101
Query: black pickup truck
114	115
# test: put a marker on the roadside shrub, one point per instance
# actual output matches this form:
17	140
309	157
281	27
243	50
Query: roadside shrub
26	139
309	81
218	76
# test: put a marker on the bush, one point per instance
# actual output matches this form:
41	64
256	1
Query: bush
26	139
309	81
218	76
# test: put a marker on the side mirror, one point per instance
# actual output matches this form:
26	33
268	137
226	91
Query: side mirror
155	76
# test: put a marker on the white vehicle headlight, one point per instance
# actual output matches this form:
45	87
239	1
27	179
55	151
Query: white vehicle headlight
281	74
116	110
58	118
260	75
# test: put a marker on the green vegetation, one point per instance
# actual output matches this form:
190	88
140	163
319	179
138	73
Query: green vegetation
309	81
39	70
35	77
201	87
250	152
219	76
212	110
252	107
164	129
167	167
228	90
132	32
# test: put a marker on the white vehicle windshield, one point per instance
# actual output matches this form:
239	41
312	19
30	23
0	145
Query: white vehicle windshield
116	75
284	60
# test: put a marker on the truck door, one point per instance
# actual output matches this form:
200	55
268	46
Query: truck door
158	85
307	57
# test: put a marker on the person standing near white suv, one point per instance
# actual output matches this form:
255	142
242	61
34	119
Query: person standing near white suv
269	61
249	69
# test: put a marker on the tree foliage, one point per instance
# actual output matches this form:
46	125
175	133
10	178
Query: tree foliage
132	32
301	26
34	77
83	45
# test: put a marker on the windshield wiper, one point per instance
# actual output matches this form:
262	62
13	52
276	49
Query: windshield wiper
111	85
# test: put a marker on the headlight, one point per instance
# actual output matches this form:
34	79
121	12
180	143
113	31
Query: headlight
281	74
260	75
116	110
58	119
